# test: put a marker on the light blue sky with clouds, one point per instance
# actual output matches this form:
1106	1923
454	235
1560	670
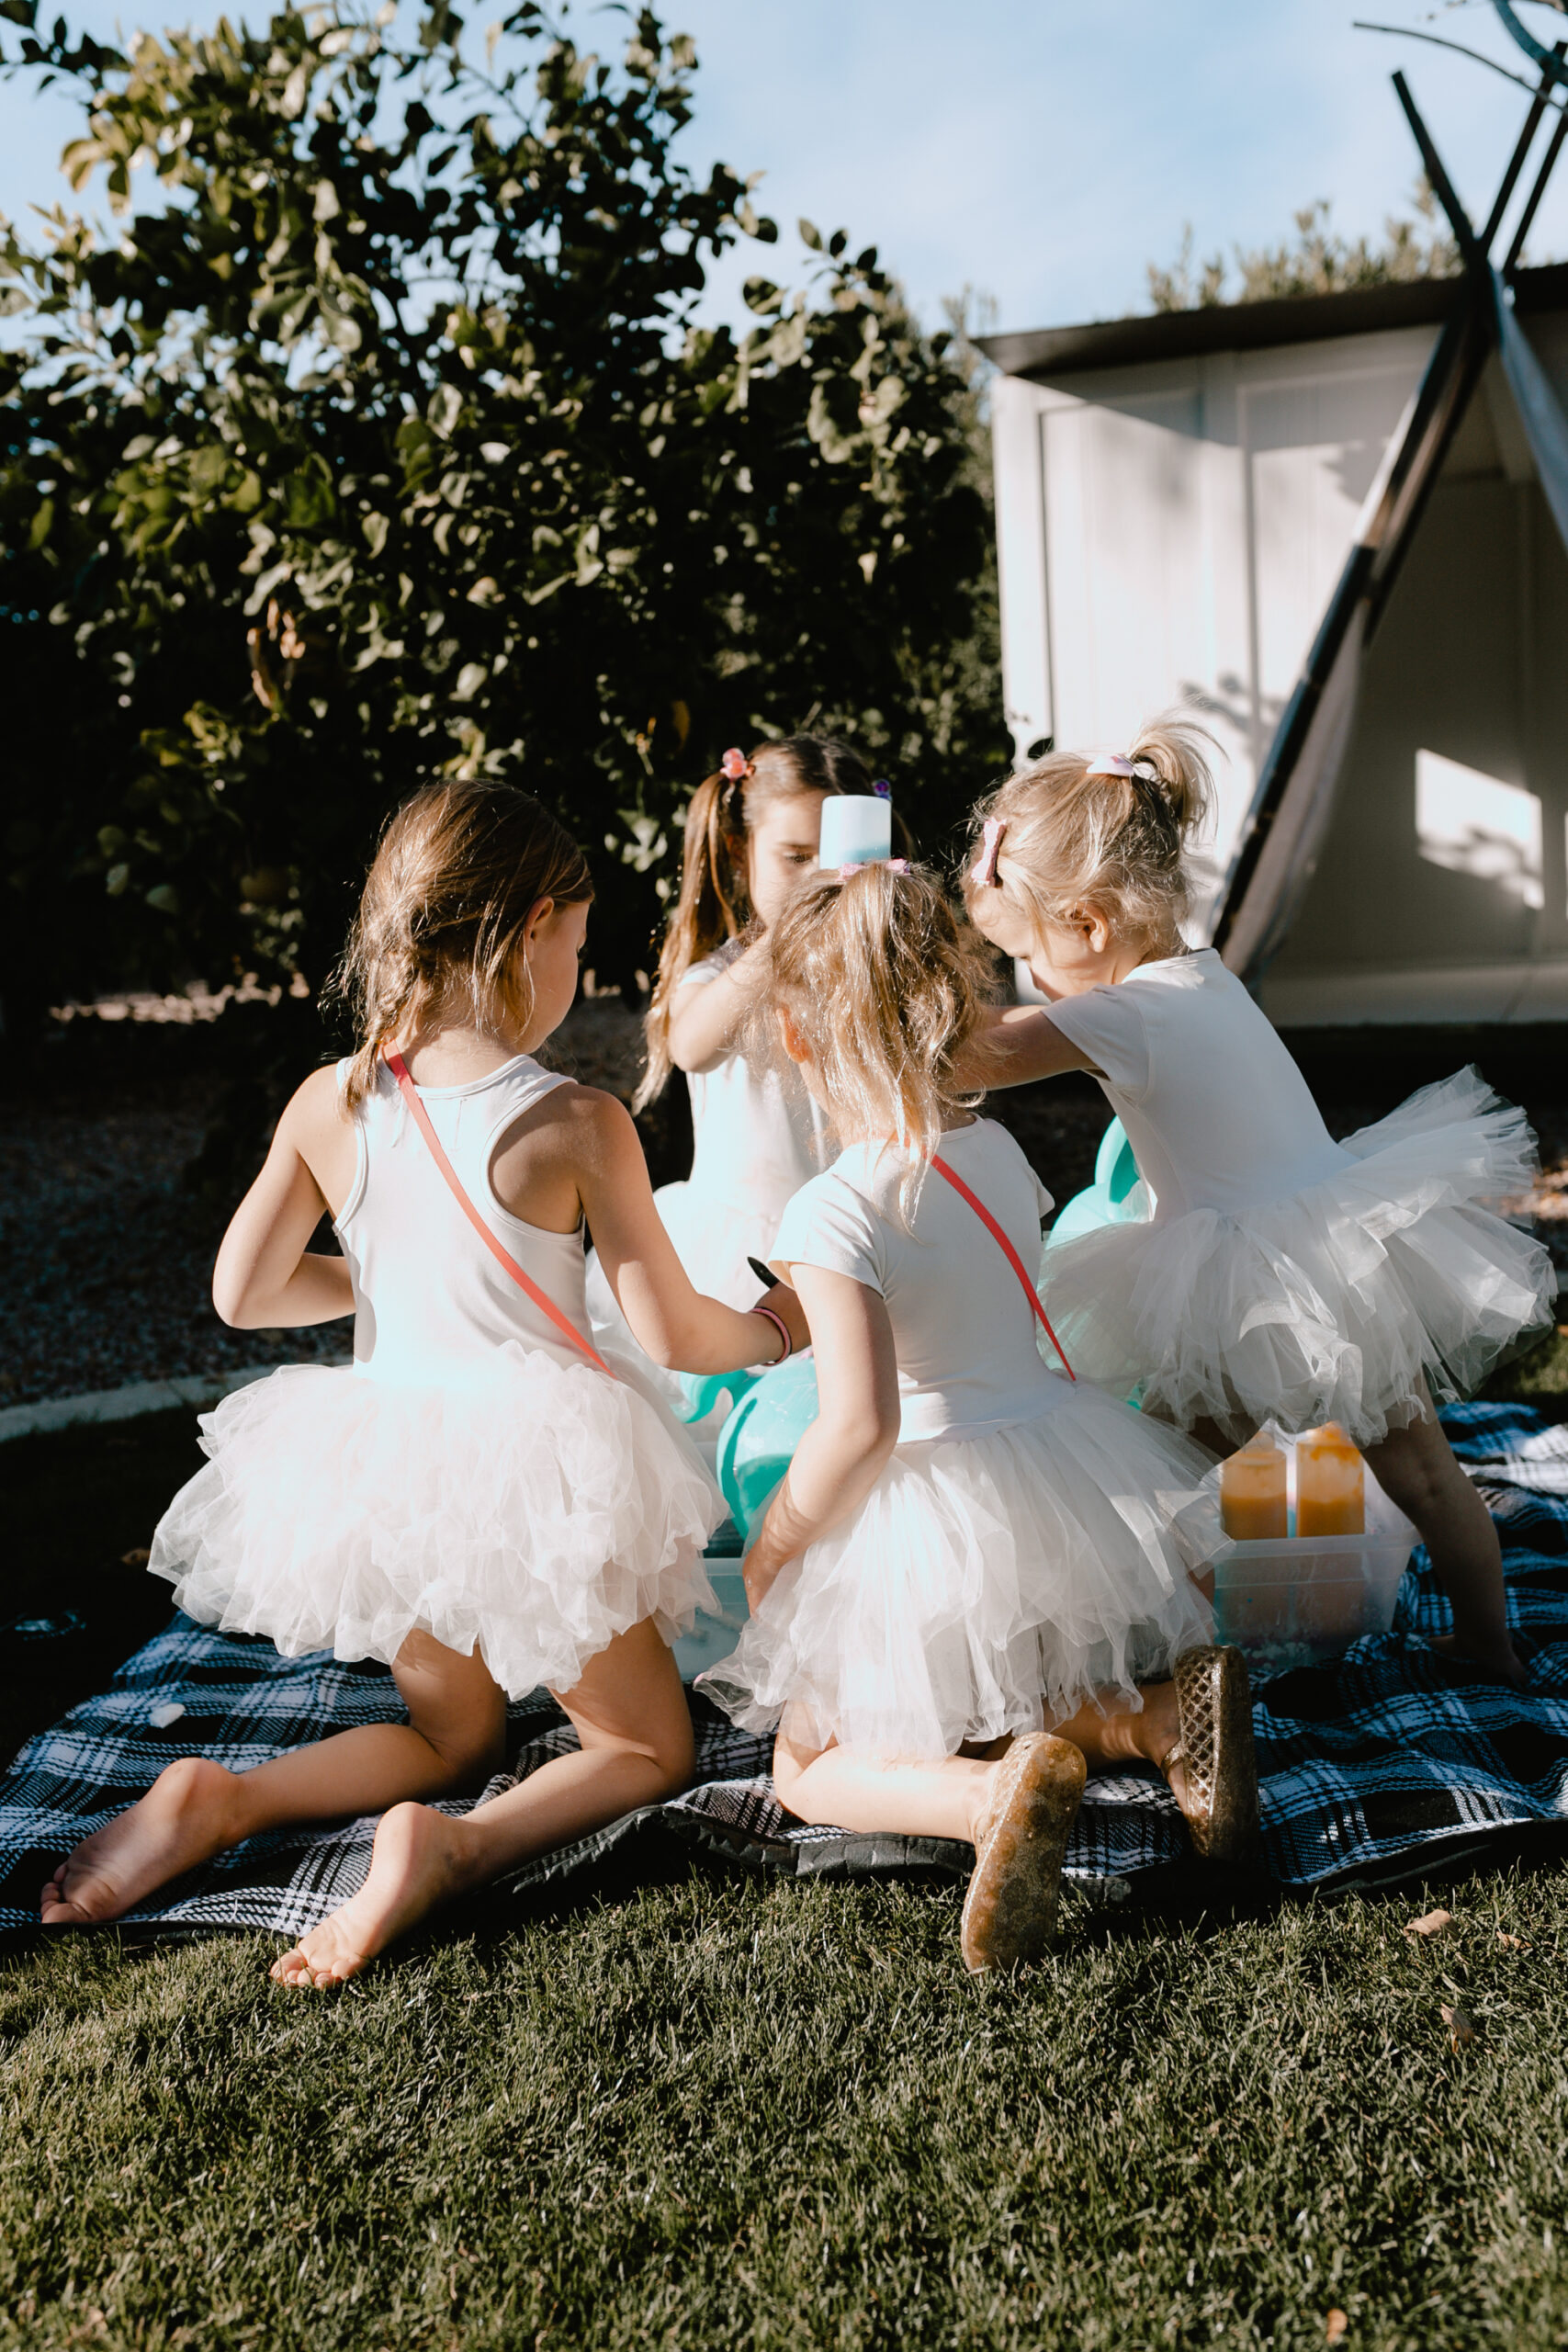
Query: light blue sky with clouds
1044	150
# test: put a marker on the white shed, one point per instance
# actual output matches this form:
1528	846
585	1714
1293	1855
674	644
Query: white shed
1338	524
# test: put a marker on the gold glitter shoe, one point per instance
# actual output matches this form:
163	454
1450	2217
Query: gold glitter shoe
1214	1698
1009	1912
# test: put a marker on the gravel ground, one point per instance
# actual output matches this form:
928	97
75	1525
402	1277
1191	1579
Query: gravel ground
108	1250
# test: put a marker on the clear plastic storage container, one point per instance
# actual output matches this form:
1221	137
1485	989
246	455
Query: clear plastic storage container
1294	1601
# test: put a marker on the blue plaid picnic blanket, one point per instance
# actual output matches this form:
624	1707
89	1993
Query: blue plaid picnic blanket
1372	1768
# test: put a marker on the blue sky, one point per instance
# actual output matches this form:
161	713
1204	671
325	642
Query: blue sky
1044	150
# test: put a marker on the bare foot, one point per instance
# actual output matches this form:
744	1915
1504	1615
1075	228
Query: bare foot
421	1860
183	1819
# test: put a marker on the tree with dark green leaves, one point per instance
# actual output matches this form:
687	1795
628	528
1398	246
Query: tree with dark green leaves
388	447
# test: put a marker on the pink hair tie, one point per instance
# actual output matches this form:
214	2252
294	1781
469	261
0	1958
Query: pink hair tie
780	1327
1113	764
983	873
734	766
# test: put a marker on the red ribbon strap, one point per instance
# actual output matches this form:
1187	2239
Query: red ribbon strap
1009	1253
546	1305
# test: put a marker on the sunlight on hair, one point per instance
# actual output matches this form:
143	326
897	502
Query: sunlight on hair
885	987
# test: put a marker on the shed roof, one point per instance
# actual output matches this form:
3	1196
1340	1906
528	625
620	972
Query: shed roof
1050	352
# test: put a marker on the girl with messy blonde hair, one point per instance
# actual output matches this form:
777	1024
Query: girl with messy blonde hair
1282	1277
967	1584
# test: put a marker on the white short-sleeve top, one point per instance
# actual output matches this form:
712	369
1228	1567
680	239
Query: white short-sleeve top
757	1135
1218	1113
961	1326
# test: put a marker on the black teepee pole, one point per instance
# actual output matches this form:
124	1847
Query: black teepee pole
1442	186
1522	148
1526	218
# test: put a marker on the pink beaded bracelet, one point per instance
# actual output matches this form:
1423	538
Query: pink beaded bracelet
780	1327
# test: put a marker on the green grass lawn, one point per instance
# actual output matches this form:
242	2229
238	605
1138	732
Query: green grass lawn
724	2112
720	2113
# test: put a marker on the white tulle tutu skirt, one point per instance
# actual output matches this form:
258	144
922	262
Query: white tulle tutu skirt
989	1583
1332	1305
535	1513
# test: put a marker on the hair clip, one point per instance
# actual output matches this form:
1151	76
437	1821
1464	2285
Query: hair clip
983	873
734	766
882	788
1113	764
894	865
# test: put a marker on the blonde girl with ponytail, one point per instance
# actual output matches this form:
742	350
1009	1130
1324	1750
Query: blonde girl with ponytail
1282	1276
752	829
484	1502
968	1586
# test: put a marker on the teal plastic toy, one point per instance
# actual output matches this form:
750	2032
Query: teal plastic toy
1115	1197
758	1441
705	1392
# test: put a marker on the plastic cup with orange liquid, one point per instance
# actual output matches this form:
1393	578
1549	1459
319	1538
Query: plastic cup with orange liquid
1252	1491
1331	1484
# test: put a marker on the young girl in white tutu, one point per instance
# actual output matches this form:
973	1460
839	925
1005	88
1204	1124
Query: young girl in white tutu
752	829
480	1501
969	1570
1282	1276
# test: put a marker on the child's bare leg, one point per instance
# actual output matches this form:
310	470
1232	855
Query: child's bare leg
631	1718
1416	1469
454	1739
1122	1736
834	1785
1016	1808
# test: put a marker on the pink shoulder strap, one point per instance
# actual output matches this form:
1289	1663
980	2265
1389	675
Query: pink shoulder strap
502	1257
1009	1253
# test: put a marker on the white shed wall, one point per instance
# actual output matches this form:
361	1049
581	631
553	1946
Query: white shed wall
1172	532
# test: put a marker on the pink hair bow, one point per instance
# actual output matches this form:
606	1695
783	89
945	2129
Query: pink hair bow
894	865
984	870
734	766
1111	763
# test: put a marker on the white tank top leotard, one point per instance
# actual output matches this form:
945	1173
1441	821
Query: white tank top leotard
400	1221
757	1133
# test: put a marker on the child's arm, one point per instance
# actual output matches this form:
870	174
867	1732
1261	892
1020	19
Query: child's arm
264	1277
845	1451
679	1326
1016	1044
705	1019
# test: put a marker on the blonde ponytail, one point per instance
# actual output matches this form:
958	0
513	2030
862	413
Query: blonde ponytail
885	987
1111	834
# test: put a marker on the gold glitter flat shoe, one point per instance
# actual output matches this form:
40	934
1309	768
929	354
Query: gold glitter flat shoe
1009	1912
1214	1698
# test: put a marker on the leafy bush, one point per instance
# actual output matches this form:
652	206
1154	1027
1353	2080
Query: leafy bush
388	447
1320	262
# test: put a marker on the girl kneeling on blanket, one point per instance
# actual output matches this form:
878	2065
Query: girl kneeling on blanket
968	1587
481	1502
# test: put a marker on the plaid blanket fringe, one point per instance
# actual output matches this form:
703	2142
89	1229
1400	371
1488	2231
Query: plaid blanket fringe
1372	1767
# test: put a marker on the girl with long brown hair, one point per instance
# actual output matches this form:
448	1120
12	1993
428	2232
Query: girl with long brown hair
484	1502
752	829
